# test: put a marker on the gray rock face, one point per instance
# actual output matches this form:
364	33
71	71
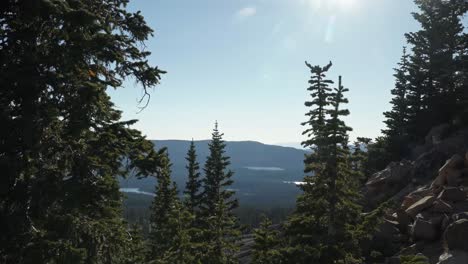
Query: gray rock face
460	216
424	230
456	235
432	197
452	194
454	257
420	205
449	173
442	207
388	182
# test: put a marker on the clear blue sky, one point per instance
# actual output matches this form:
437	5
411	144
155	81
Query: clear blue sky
242	63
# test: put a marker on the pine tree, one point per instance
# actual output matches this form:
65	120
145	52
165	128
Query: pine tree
320	92
434	87
162	233
396	119
220	228
267	242
192	202
323	228
62	142
192	187
342	185
137	247
359	159
170	240
183	250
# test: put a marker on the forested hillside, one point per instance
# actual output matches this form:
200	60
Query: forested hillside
66	152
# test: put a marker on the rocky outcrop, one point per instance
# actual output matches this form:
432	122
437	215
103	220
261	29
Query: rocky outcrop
453	257
420	205
433	215
401	178
388	182
456	235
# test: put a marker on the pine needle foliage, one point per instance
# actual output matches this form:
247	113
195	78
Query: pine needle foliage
220	226
62	143
324	226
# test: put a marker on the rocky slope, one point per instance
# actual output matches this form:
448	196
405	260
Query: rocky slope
431	191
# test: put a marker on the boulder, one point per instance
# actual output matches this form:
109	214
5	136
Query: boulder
388	182
424	230
464	178
452	194
466	160
409	200
453	257
446	221
388	231
403	220
395	172
454	163
453	178
399	196
420	205
460	216
422	191
460	207
456	234
441	207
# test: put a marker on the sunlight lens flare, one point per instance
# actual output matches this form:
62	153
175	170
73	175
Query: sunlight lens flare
344	5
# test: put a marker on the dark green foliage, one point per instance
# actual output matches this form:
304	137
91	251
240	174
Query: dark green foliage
169	239
378	154
433	68
136	247
360	159
324	227
396	120
320	93
267	241
192	187
162	223
220	231
373	252
431	80
62	143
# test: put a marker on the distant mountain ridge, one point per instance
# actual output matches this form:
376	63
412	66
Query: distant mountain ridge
242	153
263	174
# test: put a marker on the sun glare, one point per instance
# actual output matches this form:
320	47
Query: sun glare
344	5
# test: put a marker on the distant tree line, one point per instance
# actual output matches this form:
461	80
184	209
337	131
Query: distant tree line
202	227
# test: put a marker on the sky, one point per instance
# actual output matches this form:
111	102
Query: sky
241	62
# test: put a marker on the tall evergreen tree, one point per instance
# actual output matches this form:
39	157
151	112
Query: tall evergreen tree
162	225
169	237
192	202
396	119
320	92
220	227
62	143
323	228
338	165
434	86
192	187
